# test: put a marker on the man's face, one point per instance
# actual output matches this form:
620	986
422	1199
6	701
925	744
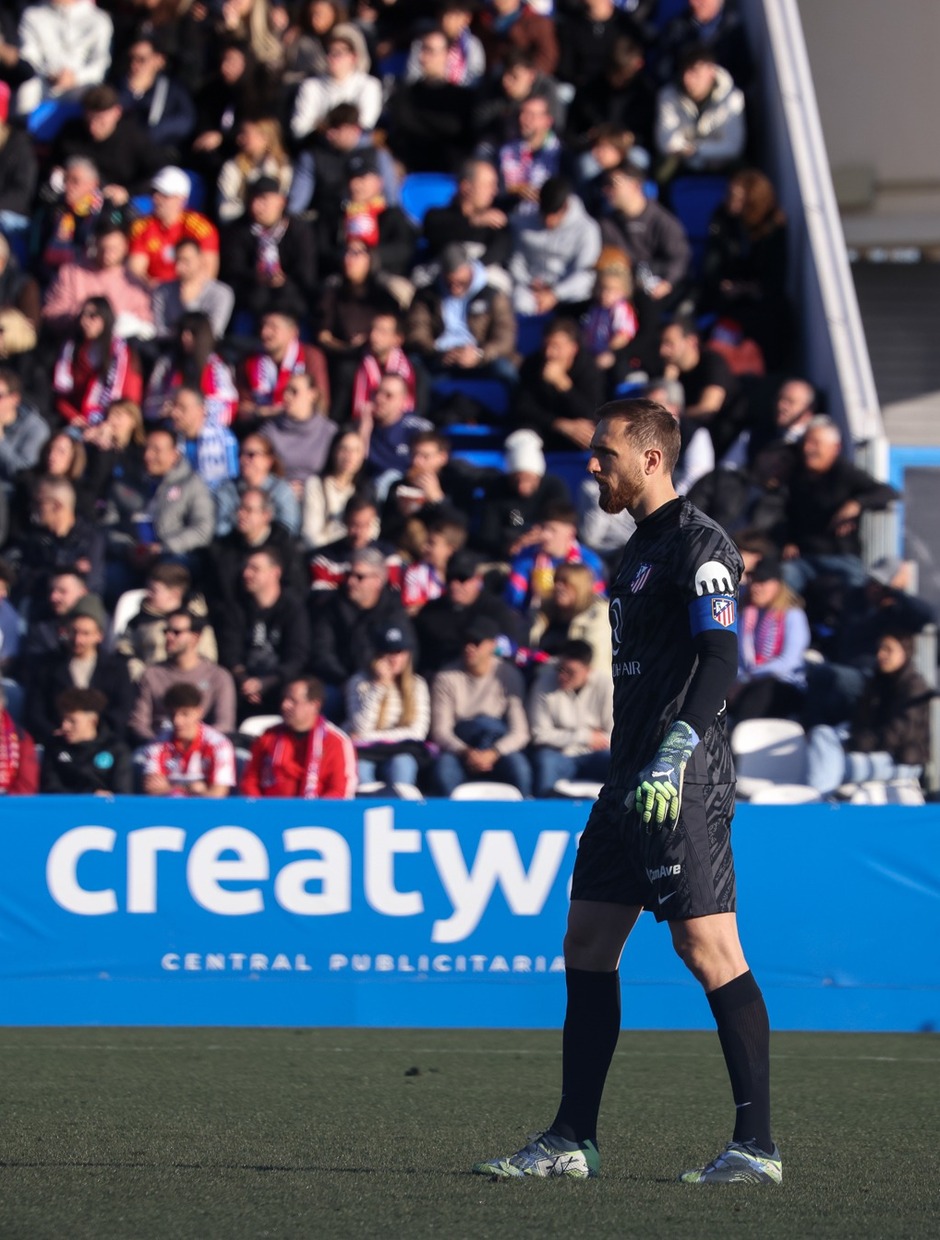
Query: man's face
186	721
673	346
617	467
344	137
464	592
188	263
277	333
160	455
252	519
64	593
144	62
101	125
820	450
391	396
437	550
458	282
553	219
706	10
112	250
432	56
78	726
361	528
793	401
428	458
572	674
698	81
455	22
561	349
297	711
383	335
187	413
168	207
365	187
477	655
260	575
9	403
163	598
341	60
557	538
518	82
535	120
267	209
364	585
180	638
481	188
79	183
85	637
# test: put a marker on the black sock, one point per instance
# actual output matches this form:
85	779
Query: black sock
744	1033
592	1027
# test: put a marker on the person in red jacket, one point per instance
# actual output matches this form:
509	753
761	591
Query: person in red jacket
19	768
305	756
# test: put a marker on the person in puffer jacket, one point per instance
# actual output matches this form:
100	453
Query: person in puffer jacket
700	119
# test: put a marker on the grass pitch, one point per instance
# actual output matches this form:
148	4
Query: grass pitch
157	1133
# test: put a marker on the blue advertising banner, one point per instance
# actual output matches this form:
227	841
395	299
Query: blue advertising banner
145	911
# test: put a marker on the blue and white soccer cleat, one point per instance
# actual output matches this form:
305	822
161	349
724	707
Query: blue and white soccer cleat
545	1156
738	1163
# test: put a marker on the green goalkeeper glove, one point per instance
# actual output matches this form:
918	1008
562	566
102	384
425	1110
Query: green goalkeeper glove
658	793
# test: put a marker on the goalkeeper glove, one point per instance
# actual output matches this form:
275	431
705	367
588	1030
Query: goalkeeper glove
658	794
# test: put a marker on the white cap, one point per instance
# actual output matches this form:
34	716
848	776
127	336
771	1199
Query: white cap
524	453
171	181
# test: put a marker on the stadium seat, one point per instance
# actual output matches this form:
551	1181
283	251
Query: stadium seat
422	190
768	749
894	792
486	791
482	458
492	394
257	725
785	794
377	788
126	608
45	121
577	789
530	328
570	466
693	200
666	10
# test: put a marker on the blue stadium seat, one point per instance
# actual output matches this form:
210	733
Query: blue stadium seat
45	122
491	393
569	466
393	65
422	190
143	203
483	458
693	200
530	330
666	10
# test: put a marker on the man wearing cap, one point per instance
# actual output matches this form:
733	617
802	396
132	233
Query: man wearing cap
105	272
553	251
266	374
269	256
372	220
478	717
81	665
154	238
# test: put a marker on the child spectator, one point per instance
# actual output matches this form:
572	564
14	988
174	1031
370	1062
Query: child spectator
195	760
84	756
610	323
427	579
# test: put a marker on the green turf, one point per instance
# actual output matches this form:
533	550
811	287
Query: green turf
249	1133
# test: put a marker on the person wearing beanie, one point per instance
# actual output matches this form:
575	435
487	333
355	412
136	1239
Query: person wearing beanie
512	503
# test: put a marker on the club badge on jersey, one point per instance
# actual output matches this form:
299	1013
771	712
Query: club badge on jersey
716	606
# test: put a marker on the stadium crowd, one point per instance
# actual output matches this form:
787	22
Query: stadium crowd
278	438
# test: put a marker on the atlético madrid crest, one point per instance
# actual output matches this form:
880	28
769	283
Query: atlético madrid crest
640	578
723	611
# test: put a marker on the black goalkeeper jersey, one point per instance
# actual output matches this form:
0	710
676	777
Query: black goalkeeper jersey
679	576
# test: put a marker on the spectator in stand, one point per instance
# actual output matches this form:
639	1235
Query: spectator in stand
389	432
63	456
571	713
471	218
746	263
572	611
70	221
430	483
653	238
696	454
19	294
184	665
426	579
103	276
700	119
57	538
154	237
428	116
513	500
478	718
305	41
255	530
305	756
195	760
554	251
508	25
463	322
168	591
300	436
532	573
19	767
794	409
441	623
717	25
81	665
23	430
261	155
113	143
67	44
772	649
560	390
19	171
261	468
620	94
159	102
526	163
591	34
331	565
239	86
611	322
270	257
346	80
115	451
260	26
466	60
192	362
370	218
192	292
711	391
84	757
500	96
383	355
266	374
388	714
9	621
349	621
171	513
265	644
210	449
48	632
607	146
827	496
18	349
326	496
889	736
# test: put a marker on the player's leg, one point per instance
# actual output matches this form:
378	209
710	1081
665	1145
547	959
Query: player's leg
710	948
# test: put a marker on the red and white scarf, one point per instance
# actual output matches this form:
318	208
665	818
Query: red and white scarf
370	374
362	220
267	380
314	756
101	391
764	632
9	751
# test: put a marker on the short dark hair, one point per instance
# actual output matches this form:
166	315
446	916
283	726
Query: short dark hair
176	576
685	324
435	437
12	380
313	686
694	54
196	623
359	501
342	114
271	554
81	699
564	327
578	650
7	572
180	696
554	194
559	510
648	425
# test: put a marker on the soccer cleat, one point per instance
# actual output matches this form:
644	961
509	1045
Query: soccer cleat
738	1163
546	1156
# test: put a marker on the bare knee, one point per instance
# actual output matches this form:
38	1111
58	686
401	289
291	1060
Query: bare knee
712	953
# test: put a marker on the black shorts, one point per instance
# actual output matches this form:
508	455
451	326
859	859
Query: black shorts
676	874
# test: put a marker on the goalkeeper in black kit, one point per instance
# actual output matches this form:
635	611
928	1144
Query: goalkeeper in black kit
659	835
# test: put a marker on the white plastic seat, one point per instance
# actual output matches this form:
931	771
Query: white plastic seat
786	794
486	791
768	749
257	725
894	792
126	608
399	792
577	789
